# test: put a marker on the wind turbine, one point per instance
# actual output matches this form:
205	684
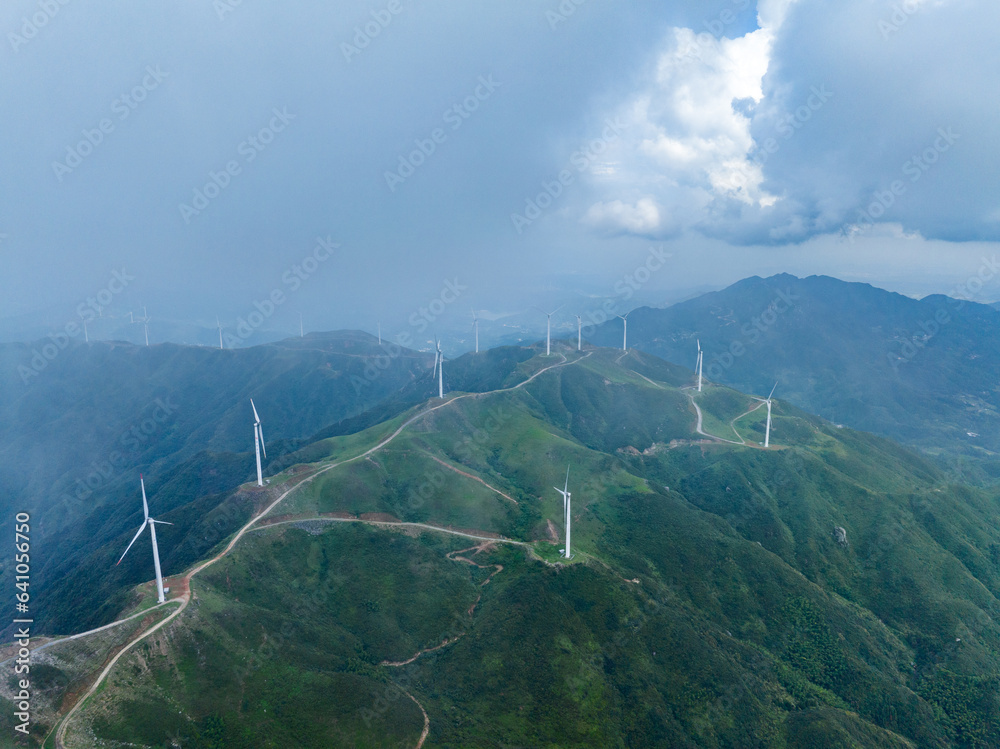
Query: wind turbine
567	508
302	332
439	366
219	324
767	431
701	355
258	442
379	332
625	331
548	327
147	520
475	324
86	335
579	333
145	323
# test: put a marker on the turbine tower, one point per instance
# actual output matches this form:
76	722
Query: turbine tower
701	355
302	331
567	507
475	324
548	327
145	323
147	520
379	324
219	324
439	366
767	431
579	333
625	330
86	335
258	442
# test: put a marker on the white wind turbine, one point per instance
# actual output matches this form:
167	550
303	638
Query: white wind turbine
579	333
475	324
258	442
625	330
302	330
145	323
379	324
147	520
567	510
548	327
767	431
86	335
439	367
701	355
219	325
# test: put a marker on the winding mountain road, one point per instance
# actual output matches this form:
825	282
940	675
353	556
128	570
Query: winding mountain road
62	726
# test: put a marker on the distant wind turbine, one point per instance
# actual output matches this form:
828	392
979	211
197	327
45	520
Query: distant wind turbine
439	366
258	442
146	520
548	327
475	324
145	323
701	355
579	333
625	330
219	324
302	330
767	431
567	509
86	335
379	332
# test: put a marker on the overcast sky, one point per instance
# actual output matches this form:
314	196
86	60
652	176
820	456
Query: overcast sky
526	150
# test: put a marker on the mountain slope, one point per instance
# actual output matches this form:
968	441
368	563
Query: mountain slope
919	371
834	590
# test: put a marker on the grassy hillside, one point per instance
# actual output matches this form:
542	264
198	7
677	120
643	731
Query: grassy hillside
918	371
835	590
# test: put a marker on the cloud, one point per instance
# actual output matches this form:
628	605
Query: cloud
826	116
643	218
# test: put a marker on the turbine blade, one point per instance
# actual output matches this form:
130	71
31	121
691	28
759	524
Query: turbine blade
260	431
134	539
255	416
161	522
772	391
145	507
567	479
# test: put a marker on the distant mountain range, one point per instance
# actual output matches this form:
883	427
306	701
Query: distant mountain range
924	372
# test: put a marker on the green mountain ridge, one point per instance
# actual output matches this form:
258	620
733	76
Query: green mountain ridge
834	590
919	371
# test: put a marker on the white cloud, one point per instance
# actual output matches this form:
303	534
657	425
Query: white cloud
642	218
793	129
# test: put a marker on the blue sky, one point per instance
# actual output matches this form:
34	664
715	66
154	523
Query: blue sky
528	151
